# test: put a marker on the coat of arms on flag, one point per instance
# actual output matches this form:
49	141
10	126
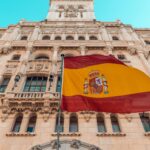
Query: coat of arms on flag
95	83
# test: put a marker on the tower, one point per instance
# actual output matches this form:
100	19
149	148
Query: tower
71	10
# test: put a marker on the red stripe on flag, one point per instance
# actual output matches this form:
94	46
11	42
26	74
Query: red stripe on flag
122	104
86	61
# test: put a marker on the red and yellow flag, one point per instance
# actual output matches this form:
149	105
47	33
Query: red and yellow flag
104	84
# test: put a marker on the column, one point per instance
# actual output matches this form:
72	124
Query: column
108	123
125	33
110	50
24	123
66	123
104	33
82	48
35	33
52	36
55	53
15	33
144	61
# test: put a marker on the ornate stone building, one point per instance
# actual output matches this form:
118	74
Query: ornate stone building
30	81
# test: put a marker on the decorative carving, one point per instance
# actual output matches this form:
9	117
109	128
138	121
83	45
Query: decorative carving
75	144
132	50
5	50
87	115
71	12
129	117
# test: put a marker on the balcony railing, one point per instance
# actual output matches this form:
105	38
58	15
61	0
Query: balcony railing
29	95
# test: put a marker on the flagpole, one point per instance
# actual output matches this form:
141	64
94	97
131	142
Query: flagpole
59	105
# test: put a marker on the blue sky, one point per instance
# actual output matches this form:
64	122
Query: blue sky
134	12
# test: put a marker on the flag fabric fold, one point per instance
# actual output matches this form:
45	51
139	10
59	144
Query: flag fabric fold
104	84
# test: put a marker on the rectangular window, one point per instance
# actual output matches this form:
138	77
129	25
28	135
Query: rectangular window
4	85
58	89
35	84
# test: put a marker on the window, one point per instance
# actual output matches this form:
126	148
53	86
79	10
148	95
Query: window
80	7
81	38
57	38
93	38
115	124
46	37
58	88
147	42
61	7
146	122
115	38
42	58
4	85
24	38
16	57
61	127
101	123
69	38
35	84
73	126
17	124
121	57
32	123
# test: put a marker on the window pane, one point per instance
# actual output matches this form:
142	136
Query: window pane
146	123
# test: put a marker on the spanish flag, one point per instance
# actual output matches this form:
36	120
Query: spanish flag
103	84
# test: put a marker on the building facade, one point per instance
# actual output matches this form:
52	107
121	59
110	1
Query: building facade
30	62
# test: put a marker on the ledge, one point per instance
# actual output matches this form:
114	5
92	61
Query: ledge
147	134
68	134
20	134
111	134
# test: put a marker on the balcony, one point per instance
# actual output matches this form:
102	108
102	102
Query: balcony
11	67
119	43
19	43
39	66
71	43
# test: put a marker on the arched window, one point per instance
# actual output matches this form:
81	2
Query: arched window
57	38
101	123
115	38
17	123
24	38
46	37
146	122
115	123
73	126
81	38
69	38
93	38
16	57
35	84
147	42
121	57
32	123
61	127
42	57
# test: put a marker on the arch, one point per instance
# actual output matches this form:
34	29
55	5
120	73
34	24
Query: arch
24	37
61	128
81	38
92	37
115	38
73	125
101	123
69	144
35	84
58	38
32	123
145	119
42	57
69	37
46	37
17	123
115	123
